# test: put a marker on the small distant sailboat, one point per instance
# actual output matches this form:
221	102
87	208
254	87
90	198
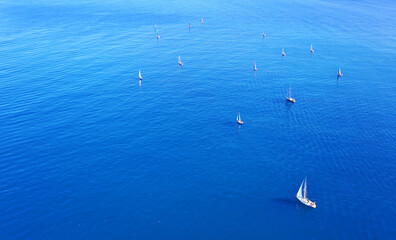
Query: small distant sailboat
312	49
239	121
289	97
179	61
158	36
155	26
255	67
283	52
339	74
202	21
263	34
302	195
189	25
140	75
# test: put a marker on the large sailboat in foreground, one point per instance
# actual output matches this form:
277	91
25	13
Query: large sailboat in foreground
302	195
289	97
239	118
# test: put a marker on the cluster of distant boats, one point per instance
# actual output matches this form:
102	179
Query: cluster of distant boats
302	191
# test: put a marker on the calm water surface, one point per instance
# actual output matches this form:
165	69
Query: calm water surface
86	152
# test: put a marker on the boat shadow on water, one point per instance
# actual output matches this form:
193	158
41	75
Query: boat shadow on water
289	202
285	201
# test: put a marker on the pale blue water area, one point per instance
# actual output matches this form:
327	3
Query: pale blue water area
86	152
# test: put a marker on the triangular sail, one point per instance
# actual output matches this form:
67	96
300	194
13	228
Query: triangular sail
289	93
339	71
311	48
299	193
140	75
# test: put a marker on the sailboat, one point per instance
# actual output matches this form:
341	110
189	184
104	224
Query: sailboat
302	195
158	36
202	21
255	67
312	49
179	61
155	26
283	52
339	72
189	25
289	98
239	118
140	75
264	34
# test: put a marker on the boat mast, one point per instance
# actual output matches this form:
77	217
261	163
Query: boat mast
305	188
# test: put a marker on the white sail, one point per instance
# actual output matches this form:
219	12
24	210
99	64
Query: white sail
255	67
202	21
283	52
299	193
239	117
140	75
289	93
312	49
179	61
339	72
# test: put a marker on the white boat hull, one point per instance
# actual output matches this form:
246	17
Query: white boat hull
307	202
291	100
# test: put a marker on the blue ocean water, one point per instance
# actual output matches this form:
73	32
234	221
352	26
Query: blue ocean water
86	152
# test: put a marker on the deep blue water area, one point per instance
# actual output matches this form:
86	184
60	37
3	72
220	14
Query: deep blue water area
89	152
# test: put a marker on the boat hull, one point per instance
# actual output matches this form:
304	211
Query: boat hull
291	100
307	202
240	122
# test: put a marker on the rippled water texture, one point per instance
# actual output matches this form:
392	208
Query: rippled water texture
86	152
